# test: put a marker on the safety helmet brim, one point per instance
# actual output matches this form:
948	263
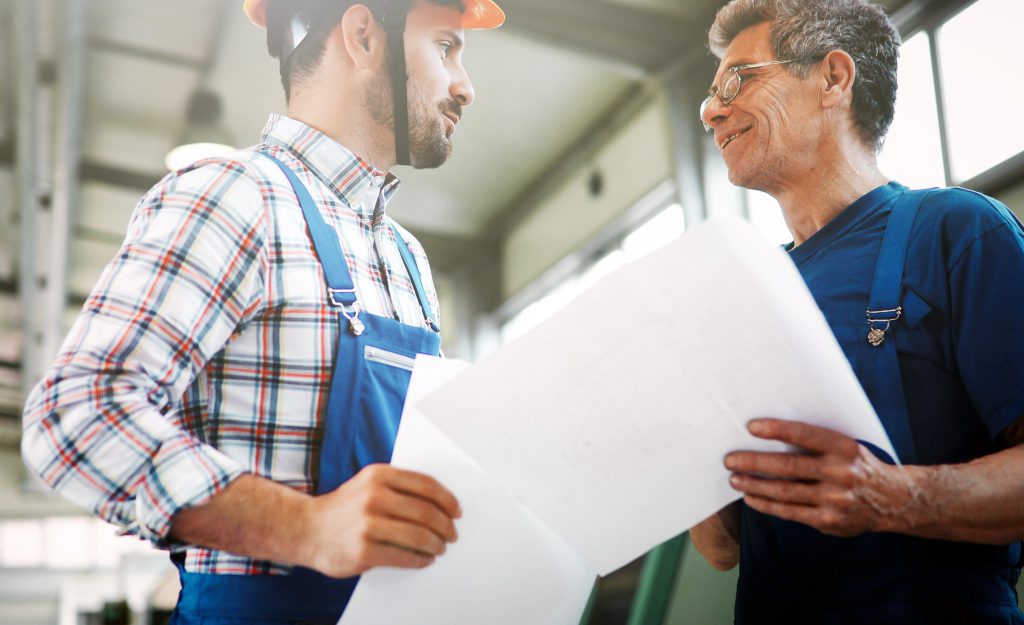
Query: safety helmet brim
479	14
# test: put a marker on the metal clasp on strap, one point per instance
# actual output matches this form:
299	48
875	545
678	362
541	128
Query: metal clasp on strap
354	324
334	302
876	319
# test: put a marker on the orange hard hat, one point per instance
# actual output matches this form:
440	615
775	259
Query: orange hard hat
479	14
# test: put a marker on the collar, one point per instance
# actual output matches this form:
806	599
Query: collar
862	208
351	177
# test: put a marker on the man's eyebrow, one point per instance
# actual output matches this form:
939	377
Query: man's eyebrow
457	40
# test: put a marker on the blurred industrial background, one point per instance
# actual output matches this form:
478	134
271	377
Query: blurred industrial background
582	151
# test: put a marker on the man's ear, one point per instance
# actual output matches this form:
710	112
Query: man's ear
838	71
364	39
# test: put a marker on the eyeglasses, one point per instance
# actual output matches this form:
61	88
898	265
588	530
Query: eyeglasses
731	88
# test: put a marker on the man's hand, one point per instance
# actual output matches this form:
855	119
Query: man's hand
837	486
383	516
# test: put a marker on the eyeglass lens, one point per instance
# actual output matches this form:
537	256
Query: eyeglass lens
727	93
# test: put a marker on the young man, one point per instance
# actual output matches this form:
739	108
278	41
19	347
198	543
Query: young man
923	290
232	388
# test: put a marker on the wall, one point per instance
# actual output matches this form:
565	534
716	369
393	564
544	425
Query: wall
1014	199
632	163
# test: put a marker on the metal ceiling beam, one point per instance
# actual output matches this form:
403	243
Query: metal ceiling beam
66	196
637	41
28	129
95	171
100	44
683	94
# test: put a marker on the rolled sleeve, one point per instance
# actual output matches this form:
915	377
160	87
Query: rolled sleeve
104	428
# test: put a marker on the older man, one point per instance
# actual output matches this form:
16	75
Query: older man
232	388
924	291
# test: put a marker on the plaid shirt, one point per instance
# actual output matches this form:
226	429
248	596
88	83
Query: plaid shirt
206	349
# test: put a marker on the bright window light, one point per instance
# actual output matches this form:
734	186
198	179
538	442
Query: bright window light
601	268
912	153
538	311
656	232
21	544
69	542
977	50
649	236
766	215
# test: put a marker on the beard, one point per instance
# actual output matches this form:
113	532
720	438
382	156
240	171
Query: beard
429	146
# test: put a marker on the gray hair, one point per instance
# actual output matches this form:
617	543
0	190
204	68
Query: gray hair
810	29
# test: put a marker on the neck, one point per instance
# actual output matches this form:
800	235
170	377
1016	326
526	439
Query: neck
345	119
831	185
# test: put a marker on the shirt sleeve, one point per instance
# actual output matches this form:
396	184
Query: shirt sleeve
103	428
987	292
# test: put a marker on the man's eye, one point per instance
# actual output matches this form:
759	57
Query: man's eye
445	49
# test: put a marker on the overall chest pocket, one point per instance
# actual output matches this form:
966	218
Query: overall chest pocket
919	332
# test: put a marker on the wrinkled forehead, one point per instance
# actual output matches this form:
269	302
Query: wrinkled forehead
752	45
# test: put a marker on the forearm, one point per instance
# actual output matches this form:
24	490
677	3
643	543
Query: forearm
980	501
717	538
253	517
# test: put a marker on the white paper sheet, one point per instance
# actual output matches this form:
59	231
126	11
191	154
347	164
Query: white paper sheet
610	420
506	568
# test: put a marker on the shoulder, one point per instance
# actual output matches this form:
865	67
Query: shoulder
238	183
954	220
964	211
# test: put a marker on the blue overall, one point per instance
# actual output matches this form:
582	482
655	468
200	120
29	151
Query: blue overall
368	388
791	573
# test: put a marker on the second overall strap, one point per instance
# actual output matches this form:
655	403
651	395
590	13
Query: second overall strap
417	280
884	308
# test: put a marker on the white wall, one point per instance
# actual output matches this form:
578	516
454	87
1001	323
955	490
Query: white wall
632	163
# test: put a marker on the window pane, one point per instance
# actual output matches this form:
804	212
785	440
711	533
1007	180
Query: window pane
980	82
766	215
912	153
656	232
21	544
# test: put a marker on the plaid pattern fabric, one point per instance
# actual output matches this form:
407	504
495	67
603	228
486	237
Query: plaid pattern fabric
206	349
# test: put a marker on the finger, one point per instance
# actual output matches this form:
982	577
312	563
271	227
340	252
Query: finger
425	487
782	491
407	536
777	464
402	507
810	437
824	520
384	554
801	513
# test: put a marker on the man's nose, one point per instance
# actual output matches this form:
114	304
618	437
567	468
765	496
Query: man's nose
714	112
461	88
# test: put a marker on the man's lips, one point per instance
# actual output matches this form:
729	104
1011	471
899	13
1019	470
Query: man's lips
728	137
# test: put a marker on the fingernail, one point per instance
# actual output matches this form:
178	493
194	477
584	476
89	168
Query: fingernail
730	462
756	426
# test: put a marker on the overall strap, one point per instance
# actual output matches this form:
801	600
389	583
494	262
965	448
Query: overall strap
341	290
884	308
417	281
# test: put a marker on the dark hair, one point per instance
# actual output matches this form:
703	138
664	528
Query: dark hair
321	16
810	29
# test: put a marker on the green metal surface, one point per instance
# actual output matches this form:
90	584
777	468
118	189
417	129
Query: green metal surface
589	610
657	580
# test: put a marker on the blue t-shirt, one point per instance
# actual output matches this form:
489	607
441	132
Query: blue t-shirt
960	345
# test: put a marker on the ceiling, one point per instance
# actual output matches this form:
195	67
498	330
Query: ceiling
545	82
541	81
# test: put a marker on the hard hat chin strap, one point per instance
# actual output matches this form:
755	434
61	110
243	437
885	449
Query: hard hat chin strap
395	12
